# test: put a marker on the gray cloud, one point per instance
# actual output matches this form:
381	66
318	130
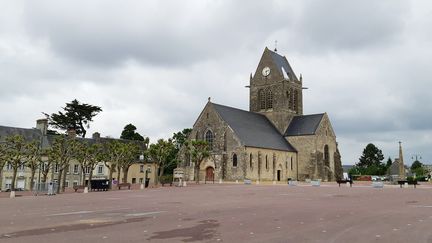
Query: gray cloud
154	64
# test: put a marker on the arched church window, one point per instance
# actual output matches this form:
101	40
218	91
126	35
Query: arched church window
291	163
269	101
234	160
295	101
326	155
261	99
250	162
267	165
291	99
209	139
225	142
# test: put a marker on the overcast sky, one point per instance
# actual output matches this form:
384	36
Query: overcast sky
368	64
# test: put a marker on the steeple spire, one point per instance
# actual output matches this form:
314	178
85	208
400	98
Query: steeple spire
401	163
275	46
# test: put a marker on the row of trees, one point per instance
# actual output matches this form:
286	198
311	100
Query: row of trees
117	156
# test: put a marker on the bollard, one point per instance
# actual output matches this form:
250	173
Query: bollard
220	181
142	186
184	183
348	184
406	185
85	189
274	182
236	181
12	194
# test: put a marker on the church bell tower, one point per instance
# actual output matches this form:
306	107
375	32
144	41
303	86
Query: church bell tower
275	90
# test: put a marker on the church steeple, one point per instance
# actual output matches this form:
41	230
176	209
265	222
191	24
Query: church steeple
401	163
275	90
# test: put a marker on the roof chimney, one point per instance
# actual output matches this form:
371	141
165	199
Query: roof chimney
42	125
96	136
71	132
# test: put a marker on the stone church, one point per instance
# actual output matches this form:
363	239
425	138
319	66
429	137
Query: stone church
273	141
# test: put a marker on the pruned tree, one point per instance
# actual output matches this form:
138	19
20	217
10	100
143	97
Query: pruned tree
161	153
33	159
62	151
112	156
75	115
130	156
199	151
15	148
46	165
88	156
2	159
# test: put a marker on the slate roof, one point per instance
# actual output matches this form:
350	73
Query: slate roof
29	134
253	129
304	125
282	62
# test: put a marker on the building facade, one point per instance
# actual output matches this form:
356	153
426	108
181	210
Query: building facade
74	173
273	141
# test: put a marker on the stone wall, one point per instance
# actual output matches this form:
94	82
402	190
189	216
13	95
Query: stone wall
311	152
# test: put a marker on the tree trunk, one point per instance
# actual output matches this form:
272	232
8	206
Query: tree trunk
1	177
64	180
59	178
197	167
161	171
156	177
44	176
118	173
125	174
89	180
83	176
15	170
110	177
33	172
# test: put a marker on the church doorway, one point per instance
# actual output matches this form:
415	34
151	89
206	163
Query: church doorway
278	175
209	174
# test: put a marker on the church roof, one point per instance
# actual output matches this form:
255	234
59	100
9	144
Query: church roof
282	64
304	125
253	129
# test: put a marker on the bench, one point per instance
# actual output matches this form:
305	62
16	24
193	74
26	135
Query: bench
166	182
345	181
78	187
120	185
402	182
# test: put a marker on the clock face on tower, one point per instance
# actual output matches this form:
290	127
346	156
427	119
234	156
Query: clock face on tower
266	71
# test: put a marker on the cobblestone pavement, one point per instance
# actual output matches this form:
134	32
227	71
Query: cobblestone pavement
223	213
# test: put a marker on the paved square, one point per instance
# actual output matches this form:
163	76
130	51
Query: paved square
223	213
